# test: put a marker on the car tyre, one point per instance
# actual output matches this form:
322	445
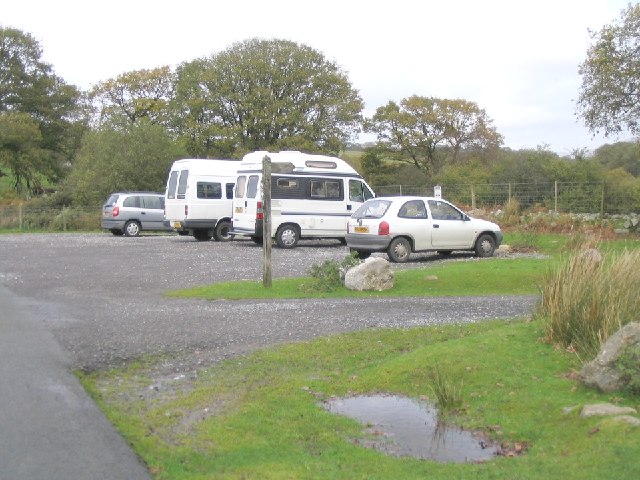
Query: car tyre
222	232
116	232
399	250
287	236
485	245
201	235
132	228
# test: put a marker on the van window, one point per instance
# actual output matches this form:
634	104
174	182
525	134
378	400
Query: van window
252	186
173	183
358	191
326	189
153	202
240	184
209	190
182	183
132	202
288	187
229	188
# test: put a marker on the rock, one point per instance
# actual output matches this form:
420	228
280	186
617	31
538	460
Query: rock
626	419
601	373
592	254
374	273
605	410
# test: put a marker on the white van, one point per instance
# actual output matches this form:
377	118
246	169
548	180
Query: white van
199	197
312	196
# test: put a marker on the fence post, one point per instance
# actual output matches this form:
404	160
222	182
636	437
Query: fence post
602	202
509	200
20	215
473	197
555	196
64	221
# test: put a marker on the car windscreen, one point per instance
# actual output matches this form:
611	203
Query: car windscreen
111	201
374	208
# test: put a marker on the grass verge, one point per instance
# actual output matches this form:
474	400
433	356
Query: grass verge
260	416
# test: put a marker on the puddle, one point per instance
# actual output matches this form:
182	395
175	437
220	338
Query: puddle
401	426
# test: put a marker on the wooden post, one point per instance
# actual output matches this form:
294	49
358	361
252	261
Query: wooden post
266	222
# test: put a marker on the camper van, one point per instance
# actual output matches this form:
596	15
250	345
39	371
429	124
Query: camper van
312	196
199	197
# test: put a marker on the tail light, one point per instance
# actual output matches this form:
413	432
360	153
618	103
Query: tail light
383	228
259	213
115	212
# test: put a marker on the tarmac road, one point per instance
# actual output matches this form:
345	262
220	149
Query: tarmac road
90	301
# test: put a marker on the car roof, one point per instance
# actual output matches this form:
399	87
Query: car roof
405	198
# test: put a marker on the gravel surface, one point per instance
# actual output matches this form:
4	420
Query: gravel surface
102	296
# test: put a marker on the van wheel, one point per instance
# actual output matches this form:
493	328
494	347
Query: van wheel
201	235
257	240
287	236
221	232
132	228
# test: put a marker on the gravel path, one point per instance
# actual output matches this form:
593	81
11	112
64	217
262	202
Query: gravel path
102	296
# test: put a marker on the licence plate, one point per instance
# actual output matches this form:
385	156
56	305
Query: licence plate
361	229
176	225
238	210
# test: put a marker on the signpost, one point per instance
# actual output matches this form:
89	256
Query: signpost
266	222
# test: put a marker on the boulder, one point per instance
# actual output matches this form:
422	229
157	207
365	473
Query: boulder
374	273
605	410
601	372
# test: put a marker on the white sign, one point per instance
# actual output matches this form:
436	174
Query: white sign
437	191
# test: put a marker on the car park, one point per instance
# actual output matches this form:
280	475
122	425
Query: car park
400	226
129	213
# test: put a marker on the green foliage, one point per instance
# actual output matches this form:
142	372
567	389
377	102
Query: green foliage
134	158
132	96
329	276
628	364
420	129
608	99
265	94
586	299
39	114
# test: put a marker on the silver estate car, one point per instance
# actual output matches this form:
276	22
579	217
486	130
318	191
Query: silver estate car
129	213
402	225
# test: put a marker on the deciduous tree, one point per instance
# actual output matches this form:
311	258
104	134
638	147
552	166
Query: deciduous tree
267	94
609	98
420	130
29	88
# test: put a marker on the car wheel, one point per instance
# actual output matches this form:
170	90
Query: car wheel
361	254
399	250
132	228
116	232
485	245
221	232
287	236
201	235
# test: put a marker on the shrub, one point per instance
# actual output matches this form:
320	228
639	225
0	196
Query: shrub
587	299
629	366
329	275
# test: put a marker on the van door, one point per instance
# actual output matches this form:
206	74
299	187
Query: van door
359	192
245	205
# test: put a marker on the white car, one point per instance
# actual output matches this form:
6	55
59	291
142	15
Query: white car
402	225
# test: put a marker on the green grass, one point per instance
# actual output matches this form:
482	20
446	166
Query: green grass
473	277
260	416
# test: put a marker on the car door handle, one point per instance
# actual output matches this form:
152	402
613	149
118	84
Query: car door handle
436	226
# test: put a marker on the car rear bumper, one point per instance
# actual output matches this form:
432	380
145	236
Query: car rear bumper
373	243
109	224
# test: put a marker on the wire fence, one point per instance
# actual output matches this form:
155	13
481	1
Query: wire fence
559	197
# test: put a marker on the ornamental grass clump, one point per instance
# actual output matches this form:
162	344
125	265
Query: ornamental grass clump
588	298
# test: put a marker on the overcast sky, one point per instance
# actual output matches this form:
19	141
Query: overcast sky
518	60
